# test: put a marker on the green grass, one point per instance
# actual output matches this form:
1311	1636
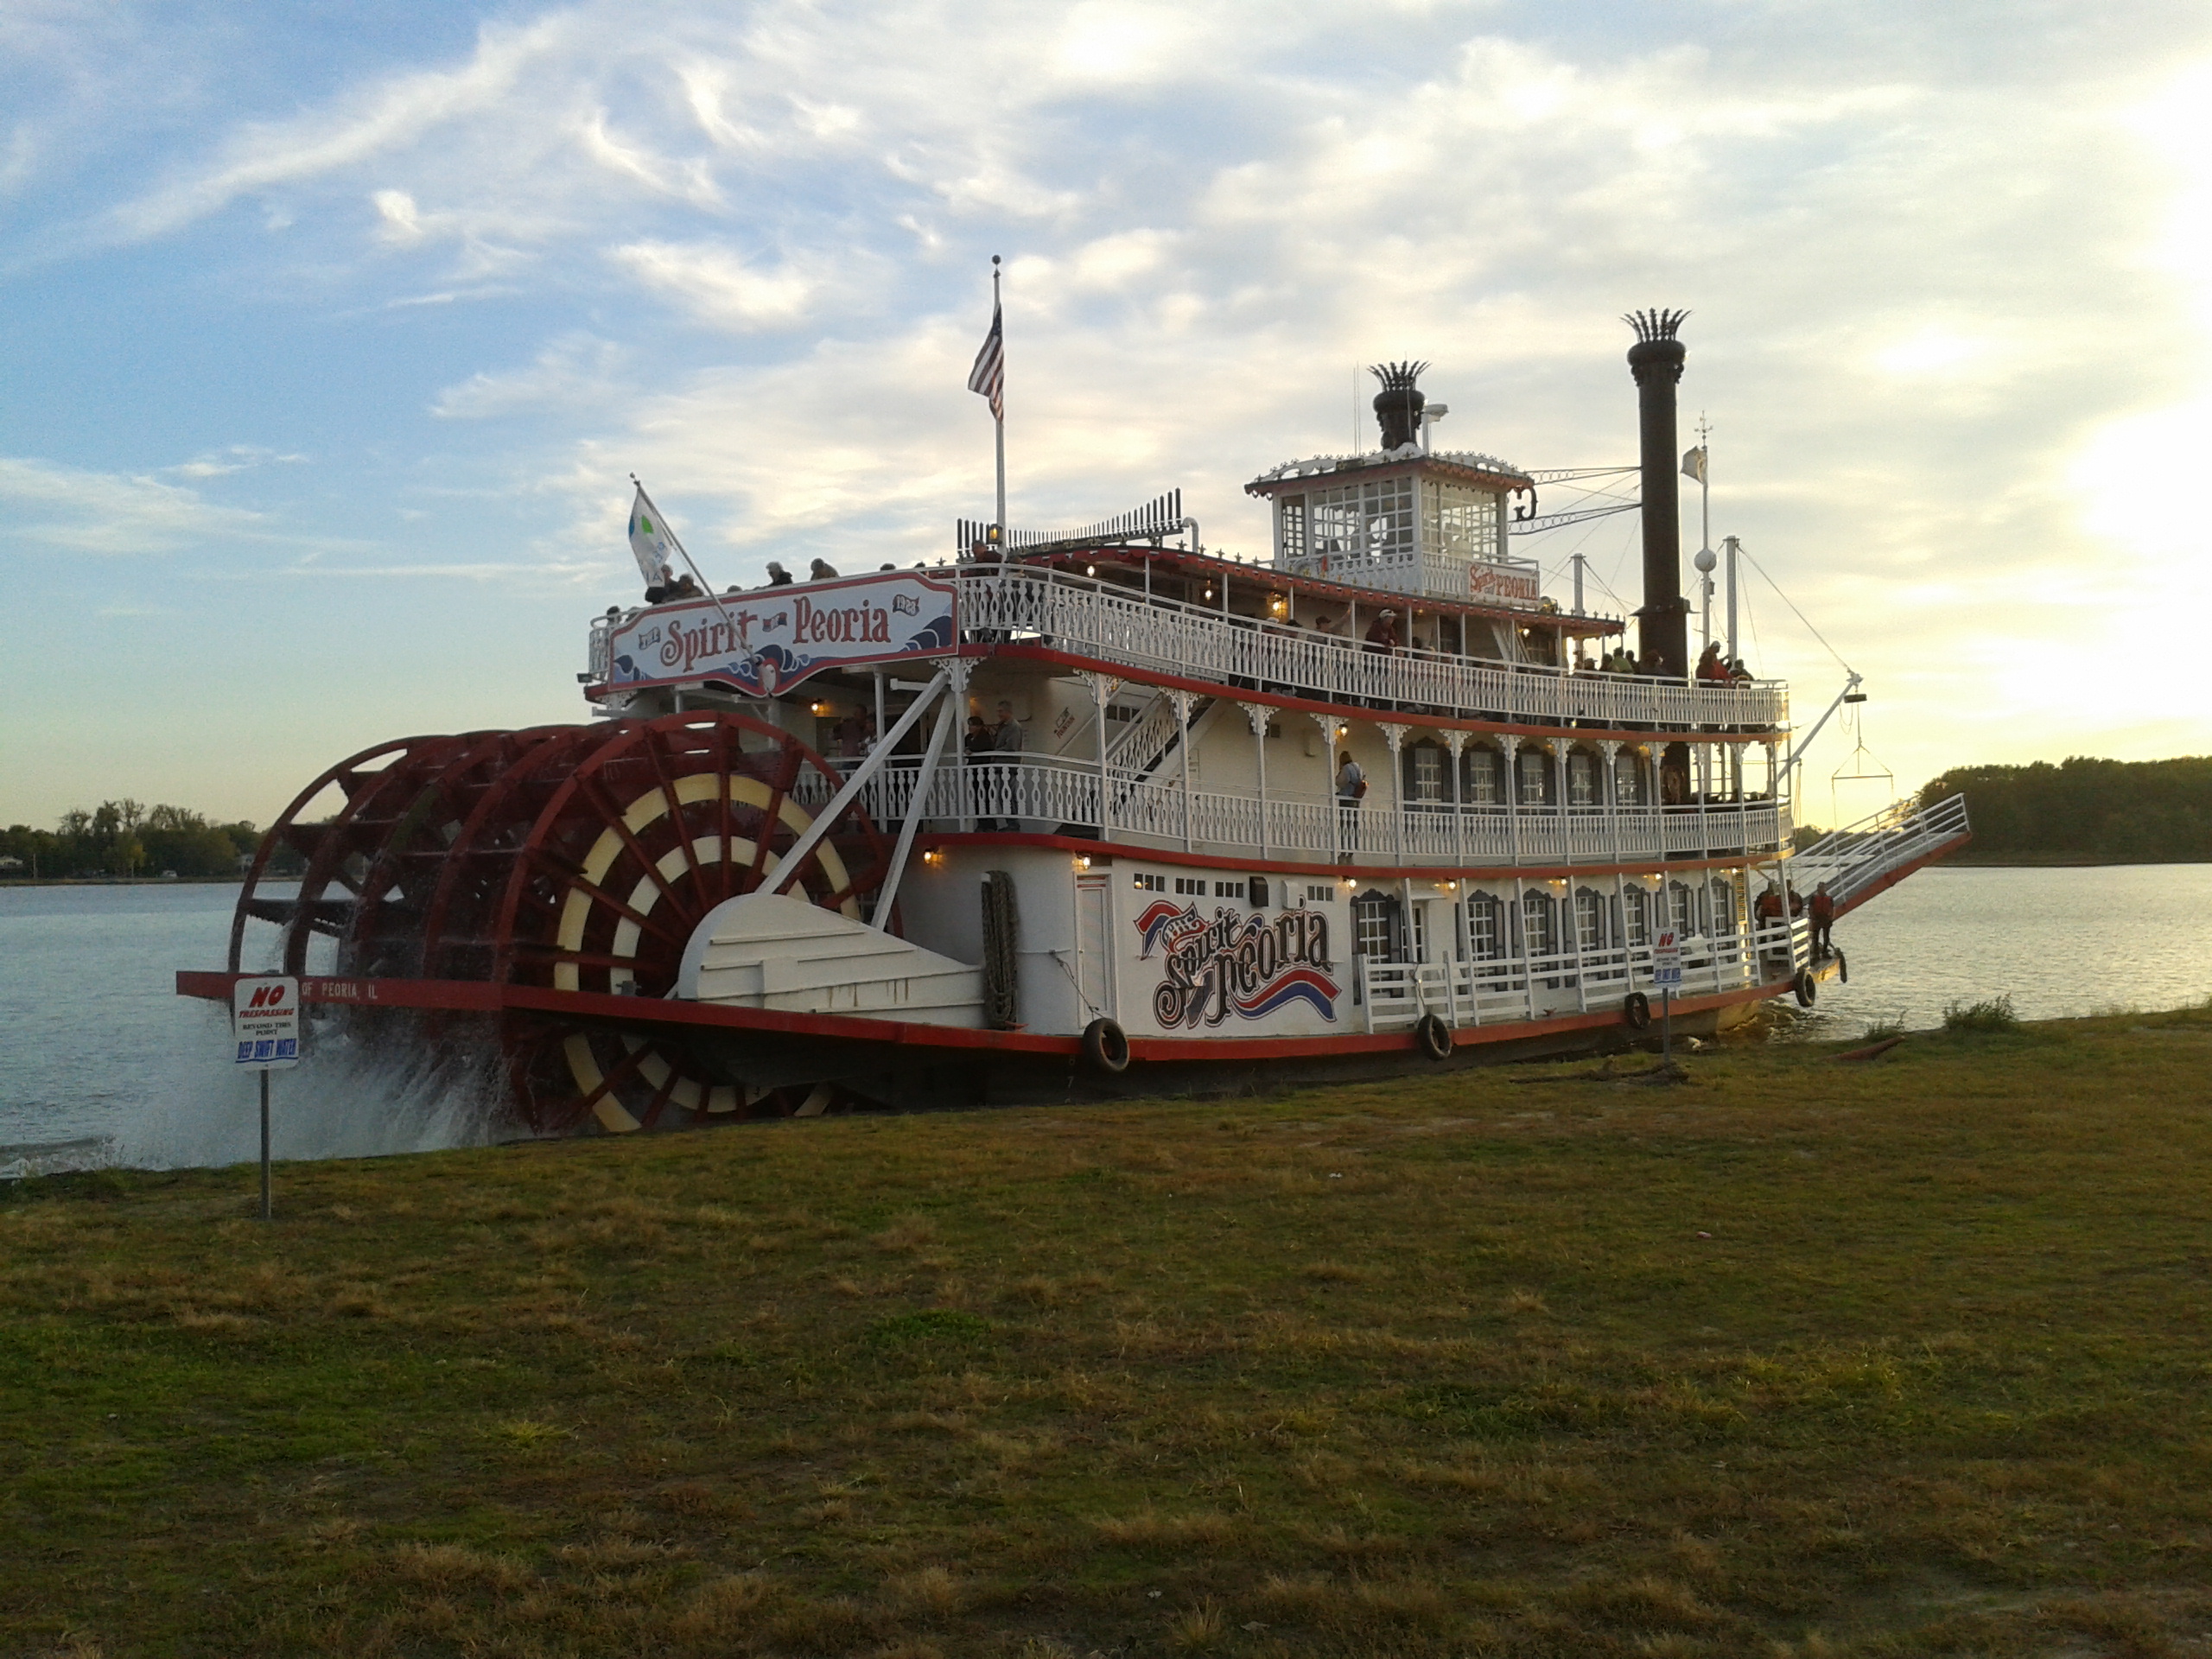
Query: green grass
1798	1358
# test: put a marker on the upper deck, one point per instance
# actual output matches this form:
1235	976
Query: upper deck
1165	618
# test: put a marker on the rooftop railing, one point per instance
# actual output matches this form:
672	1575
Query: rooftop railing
1088	617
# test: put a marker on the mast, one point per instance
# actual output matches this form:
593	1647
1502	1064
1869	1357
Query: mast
999	424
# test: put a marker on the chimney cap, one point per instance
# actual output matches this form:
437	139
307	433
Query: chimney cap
1654	324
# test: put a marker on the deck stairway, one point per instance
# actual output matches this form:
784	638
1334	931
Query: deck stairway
1874	855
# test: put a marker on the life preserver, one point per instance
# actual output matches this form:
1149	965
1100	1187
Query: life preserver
1106	1045
1805	988
1842	969
1433	1036
1636	1008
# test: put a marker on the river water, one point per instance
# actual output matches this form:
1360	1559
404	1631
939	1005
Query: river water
97	1050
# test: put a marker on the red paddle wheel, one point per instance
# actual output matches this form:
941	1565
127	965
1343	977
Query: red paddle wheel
569	858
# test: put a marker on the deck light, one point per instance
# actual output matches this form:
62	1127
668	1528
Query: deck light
1089	569
933	858
1083	860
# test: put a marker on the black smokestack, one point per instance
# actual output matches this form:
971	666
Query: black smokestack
1399	404
1656	359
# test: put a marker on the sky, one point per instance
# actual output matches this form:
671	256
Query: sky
333	334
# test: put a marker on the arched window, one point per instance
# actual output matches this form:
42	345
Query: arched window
1582	778
1425	775
1590	920
1485	927
1375	925
1535	778
1628	778
1485	776
1539	922
1636	916
1681	909
1727	917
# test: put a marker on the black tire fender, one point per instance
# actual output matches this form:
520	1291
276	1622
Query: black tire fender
1433	1036
1806	990
1636	1009
1842	969
1106	1045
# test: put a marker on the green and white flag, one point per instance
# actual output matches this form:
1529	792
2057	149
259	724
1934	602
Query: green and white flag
649	541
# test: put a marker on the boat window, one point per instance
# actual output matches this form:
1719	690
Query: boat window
1539	922
1628	779
1368	522
1589	918
1319	893
1371	916
1482	777
1425	772
1727	915
1535	778
1681	909
1458	523
1582	780
1485	927
1636	916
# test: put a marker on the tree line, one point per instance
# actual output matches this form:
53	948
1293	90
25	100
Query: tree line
126	838
2115	811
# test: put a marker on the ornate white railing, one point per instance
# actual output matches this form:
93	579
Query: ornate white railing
1097	619
1043	793
1392	995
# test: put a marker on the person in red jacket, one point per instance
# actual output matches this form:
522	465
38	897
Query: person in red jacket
1823	909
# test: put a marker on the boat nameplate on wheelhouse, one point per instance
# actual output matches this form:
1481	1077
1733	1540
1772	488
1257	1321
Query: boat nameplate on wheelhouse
770	638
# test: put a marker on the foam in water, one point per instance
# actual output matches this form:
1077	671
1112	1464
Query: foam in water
347	1098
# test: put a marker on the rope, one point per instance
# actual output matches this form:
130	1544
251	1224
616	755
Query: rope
1001	989
1799	615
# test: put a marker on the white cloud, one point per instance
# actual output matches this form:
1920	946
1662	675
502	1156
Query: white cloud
718	284
83	511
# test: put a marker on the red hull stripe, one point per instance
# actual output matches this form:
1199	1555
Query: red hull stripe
474	997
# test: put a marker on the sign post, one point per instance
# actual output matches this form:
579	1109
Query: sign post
1666	975
265	1030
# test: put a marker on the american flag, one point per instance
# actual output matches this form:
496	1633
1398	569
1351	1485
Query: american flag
989	376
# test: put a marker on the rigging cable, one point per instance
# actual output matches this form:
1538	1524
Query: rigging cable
1800	615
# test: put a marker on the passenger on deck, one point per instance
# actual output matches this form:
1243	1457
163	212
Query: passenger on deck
657	590
1710	670
1325	624
1383	632
821	570
1351	788
777	576
686	587
1823	909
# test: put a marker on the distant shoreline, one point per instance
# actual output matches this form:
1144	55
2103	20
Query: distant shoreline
2058	861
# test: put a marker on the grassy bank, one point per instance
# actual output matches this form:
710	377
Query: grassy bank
1802	1358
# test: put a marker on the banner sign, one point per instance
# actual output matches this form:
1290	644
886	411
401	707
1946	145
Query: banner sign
1488	581
768	639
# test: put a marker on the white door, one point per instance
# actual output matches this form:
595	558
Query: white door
1094	971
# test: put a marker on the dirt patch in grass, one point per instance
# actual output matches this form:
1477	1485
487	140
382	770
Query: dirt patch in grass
1795	1358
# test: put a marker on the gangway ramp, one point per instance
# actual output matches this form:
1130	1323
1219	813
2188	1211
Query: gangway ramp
1870	857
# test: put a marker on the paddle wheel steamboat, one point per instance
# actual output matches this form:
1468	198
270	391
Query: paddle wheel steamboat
1238	833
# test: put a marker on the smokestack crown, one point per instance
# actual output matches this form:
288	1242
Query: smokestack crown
1656	351
1399	404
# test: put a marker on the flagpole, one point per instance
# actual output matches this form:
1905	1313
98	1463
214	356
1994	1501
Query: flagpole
697	576
999	421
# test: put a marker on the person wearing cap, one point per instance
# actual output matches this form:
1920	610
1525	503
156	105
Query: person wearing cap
1382	631
777	576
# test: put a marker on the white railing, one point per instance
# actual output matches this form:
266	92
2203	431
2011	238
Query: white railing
1035	792
1854	858
1392	995
1090	618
